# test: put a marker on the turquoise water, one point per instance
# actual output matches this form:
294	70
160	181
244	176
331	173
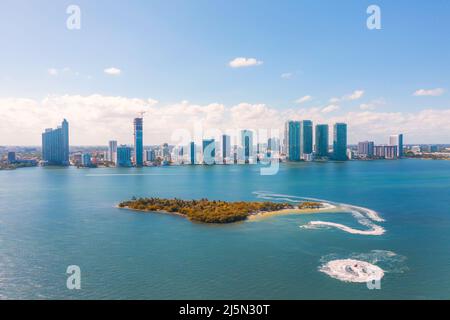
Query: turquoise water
51	218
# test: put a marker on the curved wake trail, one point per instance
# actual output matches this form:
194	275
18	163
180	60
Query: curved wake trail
364	216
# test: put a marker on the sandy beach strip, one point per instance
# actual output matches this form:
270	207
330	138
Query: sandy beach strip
262	215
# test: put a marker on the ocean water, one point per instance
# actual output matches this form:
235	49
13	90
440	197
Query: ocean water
51	218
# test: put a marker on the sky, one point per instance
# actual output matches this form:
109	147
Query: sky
223	66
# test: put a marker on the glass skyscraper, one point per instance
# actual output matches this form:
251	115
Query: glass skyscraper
322	140
340	142
123	156
292	140
226	147
209	151
192	152
55	145
138	142
306	138
247	144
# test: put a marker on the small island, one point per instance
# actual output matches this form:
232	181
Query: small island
213	211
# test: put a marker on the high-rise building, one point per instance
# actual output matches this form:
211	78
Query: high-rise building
112	151
166	152
226	147
397	140
11	157
138	142
247	144
192	152
366	149
55	145
123	156
273	146
322	140
209	151
292	140
306	139
340	142
386	152
150	155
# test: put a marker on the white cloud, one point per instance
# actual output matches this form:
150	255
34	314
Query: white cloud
334	100
430	92
242	62
95	119
330	108
52	71
112	71
287	75
303	99
372	105
357	94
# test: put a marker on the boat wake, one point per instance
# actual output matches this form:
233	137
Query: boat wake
349	270
366	217
362	267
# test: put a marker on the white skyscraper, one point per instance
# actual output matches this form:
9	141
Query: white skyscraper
112	151
397	140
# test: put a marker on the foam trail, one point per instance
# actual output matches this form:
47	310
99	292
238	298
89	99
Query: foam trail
374	231
350	270
364	216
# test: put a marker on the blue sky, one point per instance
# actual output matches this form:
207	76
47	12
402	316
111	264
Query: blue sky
180	50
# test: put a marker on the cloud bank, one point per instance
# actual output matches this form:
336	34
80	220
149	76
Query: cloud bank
95	119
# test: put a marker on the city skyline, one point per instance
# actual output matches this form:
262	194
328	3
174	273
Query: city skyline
251	76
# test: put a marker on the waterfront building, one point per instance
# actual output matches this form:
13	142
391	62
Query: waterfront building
166	153
322	140
55	145
138	142
366	149
340	141
112	151
192	152
124	156
386	152
433	148
226	147
209	151
11	157
273	147
76	159
397	140
350	154
247	145
306	139
292	140
150	155
86	160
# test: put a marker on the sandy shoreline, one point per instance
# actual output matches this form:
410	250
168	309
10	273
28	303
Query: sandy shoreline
261	215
